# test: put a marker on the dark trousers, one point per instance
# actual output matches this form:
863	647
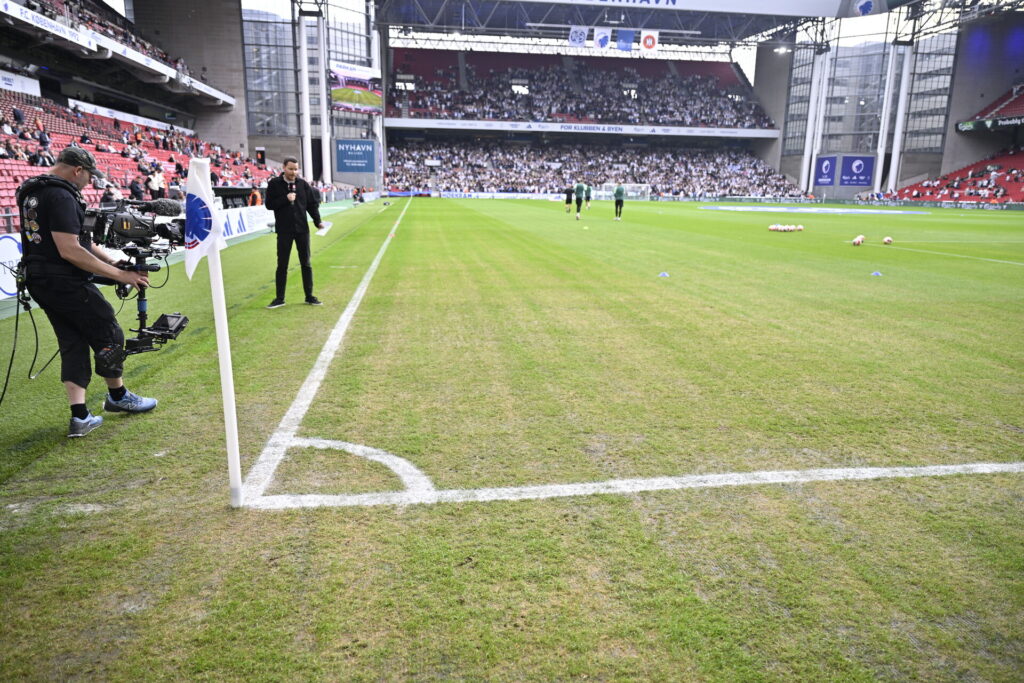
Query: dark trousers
579	204
82	319
284	253
618	208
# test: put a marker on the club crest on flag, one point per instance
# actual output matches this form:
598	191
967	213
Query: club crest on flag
203	224
198	221
649	41
602	38
578	36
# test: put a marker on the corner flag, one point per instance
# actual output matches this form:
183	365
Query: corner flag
203	224
204	237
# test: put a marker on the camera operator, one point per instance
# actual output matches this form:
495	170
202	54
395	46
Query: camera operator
60	261
291	198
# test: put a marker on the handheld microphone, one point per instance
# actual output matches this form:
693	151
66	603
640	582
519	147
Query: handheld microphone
291	190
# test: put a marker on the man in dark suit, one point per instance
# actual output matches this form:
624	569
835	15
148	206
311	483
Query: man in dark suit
291	198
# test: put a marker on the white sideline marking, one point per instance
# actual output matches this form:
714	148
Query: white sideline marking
945	253
260	474
422	496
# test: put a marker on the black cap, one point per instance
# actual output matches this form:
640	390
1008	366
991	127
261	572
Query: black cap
76	156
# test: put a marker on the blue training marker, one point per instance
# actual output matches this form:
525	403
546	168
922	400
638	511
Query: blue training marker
877	273
666	275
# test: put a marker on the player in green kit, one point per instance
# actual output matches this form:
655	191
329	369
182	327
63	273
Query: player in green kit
581	191
620	196
588	197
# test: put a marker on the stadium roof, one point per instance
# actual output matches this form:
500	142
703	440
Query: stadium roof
679	21
526	18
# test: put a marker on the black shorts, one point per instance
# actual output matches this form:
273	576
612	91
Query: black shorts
588	197
82	319
568	200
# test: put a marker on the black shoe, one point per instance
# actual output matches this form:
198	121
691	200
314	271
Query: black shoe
313	301
276	303
82	427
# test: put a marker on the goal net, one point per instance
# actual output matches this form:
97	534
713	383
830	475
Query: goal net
634	191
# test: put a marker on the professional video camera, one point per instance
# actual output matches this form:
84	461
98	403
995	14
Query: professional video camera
123	225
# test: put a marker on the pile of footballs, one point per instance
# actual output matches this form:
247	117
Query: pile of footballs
776	227
859	240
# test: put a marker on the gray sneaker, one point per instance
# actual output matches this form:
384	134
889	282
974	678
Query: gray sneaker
131	403
82	427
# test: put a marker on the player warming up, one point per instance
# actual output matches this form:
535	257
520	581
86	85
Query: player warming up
620	196
581	190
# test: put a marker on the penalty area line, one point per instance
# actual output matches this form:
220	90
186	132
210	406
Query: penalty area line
263	470
425	496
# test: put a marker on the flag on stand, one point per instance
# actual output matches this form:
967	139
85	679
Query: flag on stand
625	41
602	38
578	36
648	41
203	223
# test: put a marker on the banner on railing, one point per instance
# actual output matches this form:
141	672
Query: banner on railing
19	83
90	108
607	128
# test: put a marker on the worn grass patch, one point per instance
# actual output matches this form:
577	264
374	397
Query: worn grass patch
317	470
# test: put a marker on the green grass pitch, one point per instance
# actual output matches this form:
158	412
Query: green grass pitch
504	343
357	96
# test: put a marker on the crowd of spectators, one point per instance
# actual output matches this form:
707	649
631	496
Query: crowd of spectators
492	167
155	161
982	182
557	93
79	14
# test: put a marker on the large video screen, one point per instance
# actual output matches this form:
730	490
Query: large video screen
356	88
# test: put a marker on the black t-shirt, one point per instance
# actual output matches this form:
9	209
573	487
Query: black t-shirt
46	210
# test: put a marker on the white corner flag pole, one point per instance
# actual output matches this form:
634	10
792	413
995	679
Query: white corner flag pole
227	378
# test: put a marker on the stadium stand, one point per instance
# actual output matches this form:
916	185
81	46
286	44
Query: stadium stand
572	89
99	18
999	178
1010	103
123	152
481	167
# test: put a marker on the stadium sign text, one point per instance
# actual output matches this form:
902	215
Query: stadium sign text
355	156
26	15
551	127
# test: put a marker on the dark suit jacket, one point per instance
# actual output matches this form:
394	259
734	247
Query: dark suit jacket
291	217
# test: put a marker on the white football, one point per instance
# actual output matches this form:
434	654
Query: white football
887	240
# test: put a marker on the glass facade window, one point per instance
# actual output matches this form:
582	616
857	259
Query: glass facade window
799	101
853	106
928	104
271	67
270	83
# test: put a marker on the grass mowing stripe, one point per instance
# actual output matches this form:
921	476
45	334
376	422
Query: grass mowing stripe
501	345
261	473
